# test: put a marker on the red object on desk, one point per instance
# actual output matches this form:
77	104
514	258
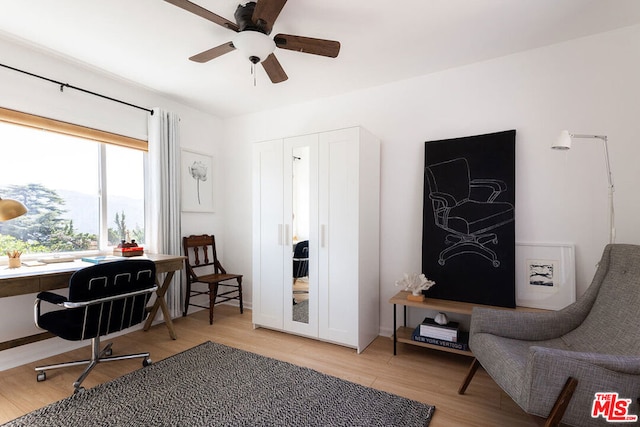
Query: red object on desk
127	252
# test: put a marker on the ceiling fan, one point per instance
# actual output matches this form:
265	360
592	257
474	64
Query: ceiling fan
254	22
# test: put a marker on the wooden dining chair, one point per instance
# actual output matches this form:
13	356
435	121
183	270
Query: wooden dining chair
204	268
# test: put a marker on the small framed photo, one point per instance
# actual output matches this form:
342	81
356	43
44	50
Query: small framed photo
197	181
545	275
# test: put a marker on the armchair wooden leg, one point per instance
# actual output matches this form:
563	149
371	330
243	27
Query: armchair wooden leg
557	412
470	373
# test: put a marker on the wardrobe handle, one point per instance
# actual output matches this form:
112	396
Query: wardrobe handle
287	237
323	238
279	234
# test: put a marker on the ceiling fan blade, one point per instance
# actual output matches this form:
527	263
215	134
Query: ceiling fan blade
274	69
204	13
266	13
213	53
322	47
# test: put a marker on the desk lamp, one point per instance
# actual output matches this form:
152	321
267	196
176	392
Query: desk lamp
10	209
564	143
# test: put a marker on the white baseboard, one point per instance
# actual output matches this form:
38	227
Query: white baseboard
39	350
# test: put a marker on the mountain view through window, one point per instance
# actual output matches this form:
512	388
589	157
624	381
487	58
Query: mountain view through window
81	195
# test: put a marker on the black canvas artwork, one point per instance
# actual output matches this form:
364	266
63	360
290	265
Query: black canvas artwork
468	242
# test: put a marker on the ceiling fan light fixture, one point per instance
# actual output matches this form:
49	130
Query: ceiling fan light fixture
254	45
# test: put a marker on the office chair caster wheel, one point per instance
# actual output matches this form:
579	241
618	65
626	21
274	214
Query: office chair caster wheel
41	376
496	263
441	261
78	390
108	353
146	362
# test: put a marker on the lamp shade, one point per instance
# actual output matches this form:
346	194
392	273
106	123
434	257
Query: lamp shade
563	142
10	209
254	45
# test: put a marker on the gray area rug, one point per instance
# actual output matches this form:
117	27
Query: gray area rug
216	385
301	312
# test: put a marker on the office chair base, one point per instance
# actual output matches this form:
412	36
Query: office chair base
97	356
462	244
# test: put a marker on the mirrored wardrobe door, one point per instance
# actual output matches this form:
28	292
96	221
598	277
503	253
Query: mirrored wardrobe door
300	233
301	202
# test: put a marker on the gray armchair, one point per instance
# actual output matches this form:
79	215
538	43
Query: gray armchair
552	364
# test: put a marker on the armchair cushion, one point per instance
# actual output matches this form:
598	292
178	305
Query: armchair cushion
520	325
514	356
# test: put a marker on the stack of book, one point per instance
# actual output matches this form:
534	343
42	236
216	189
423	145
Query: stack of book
128	249
448	335
448	332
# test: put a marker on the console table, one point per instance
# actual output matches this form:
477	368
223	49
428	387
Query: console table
403	333
30	280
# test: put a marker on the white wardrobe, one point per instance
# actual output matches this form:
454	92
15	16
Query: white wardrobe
322	188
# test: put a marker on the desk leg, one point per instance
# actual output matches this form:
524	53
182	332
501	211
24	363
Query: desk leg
162	304
395	330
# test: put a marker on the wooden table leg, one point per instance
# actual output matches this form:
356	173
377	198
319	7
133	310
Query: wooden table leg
395	331
162	304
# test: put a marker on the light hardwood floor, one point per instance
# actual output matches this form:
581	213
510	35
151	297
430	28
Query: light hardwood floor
421	374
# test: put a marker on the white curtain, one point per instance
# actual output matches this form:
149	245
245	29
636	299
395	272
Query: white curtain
162	207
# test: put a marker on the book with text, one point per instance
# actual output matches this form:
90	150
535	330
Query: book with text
430	328
461	344
101	259
439	335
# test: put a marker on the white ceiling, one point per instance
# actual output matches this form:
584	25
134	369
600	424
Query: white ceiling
149	41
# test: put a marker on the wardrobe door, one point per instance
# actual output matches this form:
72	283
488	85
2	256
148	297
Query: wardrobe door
338	252
301	235
368	239
269	243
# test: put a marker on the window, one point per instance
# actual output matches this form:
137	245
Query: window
81	194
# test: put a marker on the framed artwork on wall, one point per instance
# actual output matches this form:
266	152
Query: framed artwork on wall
468	239
197	181
545	275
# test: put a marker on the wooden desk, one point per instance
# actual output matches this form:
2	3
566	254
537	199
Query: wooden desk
29	280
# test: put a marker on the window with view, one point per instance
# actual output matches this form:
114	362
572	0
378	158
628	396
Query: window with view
81	195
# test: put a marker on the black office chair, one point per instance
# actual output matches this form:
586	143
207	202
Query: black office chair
300	260
103	299
468	219
300	265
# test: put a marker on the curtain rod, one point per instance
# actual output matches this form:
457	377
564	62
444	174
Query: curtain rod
63	85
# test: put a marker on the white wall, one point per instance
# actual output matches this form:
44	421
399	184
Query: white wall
199	132
588	85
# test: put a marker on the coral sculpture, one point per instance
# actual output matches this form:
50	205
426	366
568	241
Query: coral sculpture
415	283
